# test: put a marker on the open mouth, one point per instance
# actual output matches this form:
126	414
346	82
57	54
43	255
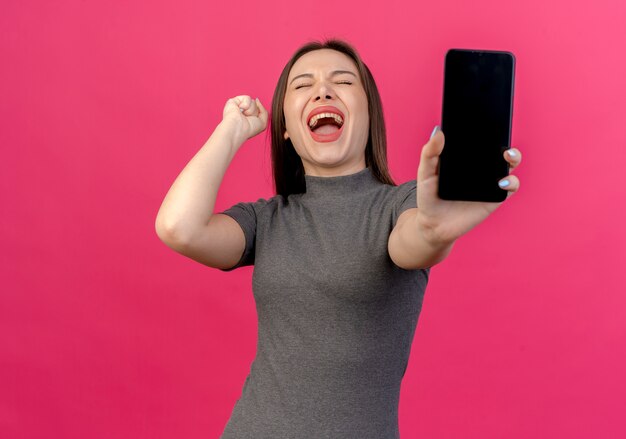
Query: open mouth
326	127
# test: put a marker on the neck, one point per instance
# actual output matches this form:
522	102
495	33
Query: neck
341	184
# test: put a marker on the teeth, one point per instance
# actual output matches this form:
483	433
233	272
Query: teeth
317	117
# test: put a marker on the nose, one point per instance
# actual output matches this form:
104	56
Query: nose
323	90
327	97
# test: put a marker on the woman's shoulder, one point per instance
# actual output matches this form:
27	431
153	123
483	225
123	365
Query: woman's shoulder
407	185
263	203
401	197
401	190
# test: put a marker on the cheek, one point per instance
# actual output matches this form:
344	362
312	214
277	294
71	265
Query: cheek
360	102
364	117
291	123
290	111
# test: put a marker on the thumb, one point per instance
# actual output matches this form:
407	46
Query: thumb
429	159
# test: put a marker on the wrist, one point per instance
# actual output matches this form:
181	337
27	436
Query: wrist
230	130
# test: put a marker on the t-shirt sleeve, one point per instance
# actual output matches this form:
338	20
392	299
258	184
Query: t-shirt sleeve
246	213
406	198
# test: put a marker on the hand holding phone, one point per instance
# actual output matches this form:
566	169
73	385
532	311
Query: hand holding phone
461	165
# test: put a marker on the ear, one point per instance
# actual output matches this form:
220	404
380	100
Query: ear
286	135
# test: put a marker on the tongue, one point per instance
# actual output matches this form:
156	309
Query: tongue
326	129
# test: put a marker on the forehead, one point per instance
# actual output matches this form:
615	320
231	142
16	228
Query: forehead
322	59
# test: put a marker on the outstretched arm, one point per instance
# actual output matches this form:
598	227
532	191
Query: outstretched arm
425	235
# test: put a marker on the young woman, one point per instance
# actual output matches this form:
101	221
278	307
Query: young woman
341	254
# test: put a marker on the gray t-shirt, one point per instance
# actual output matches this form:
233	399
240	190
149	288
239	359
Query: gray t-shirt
336	316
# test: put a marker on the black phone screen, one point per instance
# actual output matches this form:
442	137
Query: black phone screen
476	121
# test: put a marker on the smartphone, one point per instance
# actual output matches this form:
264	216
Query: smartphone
476	121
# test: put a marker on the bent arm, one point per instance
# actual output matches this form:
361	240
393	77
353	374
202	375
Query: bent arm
189	203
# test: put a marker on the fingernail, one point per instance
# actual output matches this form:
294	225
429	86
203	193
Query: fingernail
504	183
511	153
434	131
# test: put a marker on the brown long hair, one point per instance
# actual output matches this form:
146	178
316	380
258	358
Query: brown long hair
286	163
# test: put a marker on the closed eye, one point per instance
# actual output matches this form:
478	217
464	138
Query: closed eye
338	82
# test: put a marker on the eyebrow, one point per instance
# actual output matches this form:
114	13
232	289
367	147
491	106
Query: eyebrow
333	73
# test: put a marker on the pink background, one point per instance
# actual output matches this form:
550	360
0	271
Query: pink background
107	333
